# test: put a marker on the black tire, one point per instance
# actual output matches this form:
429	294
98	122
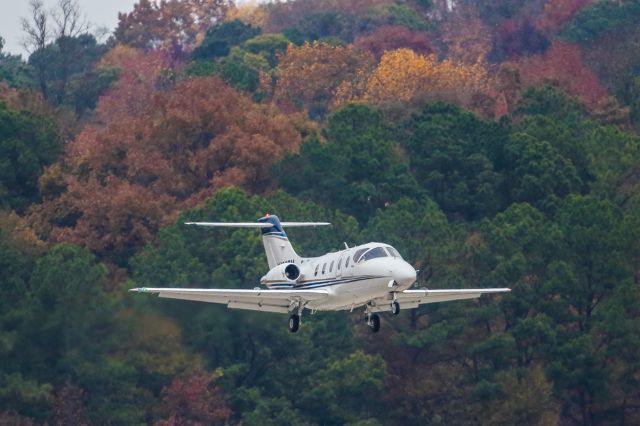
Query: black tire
374	323
294	323
395	308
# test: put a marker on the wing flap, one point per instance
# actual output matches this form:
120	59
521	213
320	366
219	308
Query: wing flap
433	296
258	300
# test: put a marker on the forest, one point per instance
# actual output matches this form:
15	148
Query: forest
494	143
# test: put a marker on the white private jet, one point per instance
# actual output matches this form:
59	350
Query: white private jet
372	275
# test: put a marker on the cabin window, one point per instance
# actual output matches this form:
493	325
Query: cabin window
324	267
331	266
346	264
316	273
339	263
375	253
358	255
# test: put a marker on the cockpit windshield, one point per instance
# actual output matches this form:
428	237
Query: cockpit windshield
374	253
393	252
365	254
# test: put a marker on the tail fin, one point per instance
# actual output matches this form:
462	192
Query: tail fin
276	244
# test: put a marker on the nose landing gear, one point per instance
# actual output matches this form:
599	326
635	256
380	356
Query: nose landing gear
395	308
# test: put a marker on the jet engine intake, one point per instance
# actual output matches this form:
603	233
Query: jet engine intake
292	272
289	272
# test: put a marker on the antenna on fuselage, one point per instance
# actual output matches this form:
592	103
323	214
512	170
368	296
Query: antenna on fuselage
345	245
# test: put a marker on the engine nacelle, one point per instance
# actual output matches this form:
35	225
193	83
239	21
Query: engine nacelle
289	272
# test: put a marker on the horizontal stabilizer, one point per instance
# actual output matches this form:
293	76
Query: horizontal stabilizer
299	224
256	224
233	224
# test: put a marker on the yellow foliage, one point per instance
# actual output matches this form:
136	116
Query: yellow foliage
160	350
118	56
311	73
405	76
250	12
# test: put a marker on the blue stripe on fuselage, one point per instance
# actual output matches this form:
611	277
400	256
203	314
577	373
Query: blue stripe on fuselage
323	283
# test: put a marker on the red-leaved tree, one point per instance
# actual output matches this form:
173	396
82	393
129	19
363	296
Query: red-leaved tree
556	13
562	64
392	37
130	173
194	400
171	25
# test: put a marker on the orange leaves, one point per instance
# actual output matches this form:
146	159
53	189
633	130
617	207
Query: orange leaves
392	37
194	400
405	76
117	216
309	74
118	57
556	13
185	139
400	74
172	25
562	64
250	12
131	174
139	75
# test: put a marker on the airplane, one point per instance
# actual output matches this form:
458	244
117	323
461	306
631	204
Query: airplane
372	275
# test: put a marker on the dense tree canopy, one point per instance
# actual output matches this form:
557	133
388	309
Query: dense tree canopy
29	143
493	143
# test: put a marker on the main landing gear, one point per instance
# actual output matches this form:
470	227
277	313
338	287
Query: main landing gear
296	309
373	321
294	323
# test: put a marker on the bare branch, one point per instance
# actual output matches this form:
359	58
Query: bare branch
69	20
36	28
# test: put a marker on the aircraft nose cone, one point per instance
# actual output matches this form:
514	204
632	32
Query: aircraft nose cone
404	274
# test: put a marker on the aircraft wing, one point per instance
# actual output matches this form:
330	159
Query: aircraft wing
410	299
255	300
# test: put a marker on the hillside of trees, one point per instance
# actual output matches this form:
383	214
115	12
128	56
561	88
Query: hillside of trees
494	143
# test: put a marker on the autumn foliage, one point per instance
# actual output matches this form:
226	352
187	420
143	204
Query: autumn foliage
160	151
194	400
556	13
562	65
467	38
309	74
173	25
393	37
403	76
493	143
140	76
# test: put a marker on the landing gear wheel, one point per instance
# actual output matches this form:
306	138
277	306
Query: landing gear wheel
294	323
374	323
395	308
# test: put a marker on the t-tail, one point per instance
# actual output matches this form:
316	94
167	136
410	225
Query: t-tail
276	244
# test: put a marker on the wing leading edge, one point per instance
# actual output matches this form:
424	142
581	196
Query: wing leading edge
255	300
410	299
